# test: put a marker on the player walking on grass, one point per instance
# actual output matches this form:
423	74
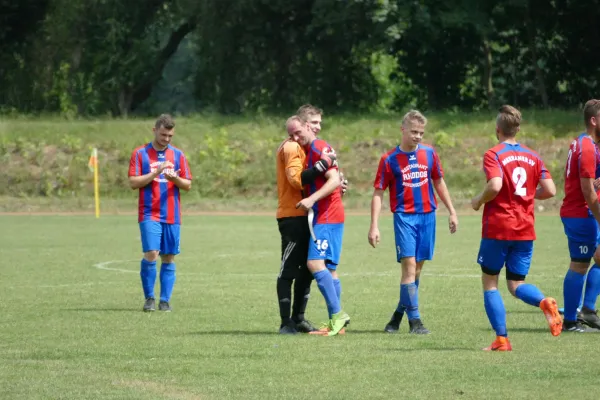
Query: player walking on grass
412	171
324	198
513	173
159	170
293	227
580	214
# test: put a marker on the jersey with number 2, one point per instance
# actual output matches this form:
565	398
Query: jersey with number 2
510	215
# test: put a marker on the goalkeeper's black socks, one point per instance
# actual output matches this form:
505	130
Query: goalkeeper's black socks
301	295
284	295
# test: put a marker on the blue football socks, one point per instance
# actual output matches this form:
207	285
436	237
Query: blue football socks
327	288
494	308
148	275
409	300
338	289
572	288
167	280
592	287
530	294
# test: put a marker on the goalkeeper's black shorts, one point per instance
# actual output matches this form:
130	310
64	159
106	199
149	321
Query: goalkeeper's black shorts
294	246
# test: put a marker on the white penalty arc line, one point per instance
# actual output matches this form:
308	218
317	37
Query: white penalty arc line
105	266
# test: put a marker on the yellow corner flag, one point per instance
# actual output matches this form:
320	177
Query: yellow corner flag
93	166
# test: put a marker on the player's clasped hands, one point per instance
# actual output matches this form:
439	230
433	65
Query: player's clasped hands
162	166
170	174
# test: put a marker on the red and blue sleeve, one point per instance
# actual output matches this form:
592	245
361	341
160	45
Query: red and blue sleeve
184	167
135	164
587	159
491	166
382	178
437	171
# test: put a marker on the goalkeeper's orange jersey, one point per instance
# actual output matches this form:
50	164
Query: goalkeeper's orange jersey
290	163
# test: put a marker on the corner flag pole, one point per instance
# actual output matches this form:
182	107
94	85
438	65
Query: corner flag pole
93	165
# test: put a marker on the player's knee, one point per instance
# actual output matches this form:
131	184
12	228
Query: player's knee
151	255
597	256
315	266
167	258
579	265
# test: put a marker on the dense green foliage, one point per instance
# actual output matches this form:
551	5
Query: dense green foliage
233	157
98	57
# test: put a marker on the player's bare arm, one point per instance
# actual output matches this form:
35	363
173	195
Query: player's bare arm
181	183
489	193
137	182
442	190
332	183
589	194
546	190
374	235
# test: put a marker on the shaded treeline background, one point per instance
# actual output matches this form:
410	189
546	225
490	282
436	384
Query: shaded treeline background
123	57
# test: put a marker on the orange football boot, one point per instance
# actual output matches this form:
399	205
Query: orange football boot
550	309
500	344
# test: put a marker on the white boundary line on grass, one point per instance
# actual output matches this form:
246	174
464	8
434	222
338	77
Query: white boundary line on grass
105	267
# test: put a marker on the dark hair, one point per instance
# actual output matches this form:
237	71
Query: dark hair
591	109
166	121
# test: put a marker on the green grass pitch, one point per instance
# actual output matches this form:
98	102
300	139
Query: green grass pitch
72	325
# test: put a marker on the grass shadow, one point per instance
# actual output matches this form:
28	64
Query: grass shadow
238	333
134	310
435	349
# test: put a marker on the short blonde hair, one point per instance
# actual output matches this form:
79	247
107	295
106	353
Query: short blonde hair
307	110
508	120
591	109
414	115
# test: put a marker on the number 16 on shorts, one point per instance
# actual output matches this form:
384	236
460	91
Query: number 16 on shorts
328	243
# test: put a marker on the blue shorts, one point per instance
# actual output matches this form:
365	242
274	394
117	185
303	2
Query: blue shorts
582	236
515	254
160	236
415	235
328	245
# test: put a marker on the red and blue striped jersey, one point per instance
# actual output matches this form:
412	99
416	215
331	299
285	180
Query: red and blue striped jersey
330	209
583	161
159	201
409	177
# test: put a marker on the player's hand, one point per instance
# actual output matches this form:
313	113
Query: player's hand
475	203
344	183
172	175
305	204
453	223
597	184
328	160
328	154
162	166
374	237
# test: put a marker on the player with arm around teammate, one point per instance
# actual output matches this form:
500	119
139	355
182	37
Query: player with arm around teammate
580	214
411	171
513	173
159	171
293	228
324	198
